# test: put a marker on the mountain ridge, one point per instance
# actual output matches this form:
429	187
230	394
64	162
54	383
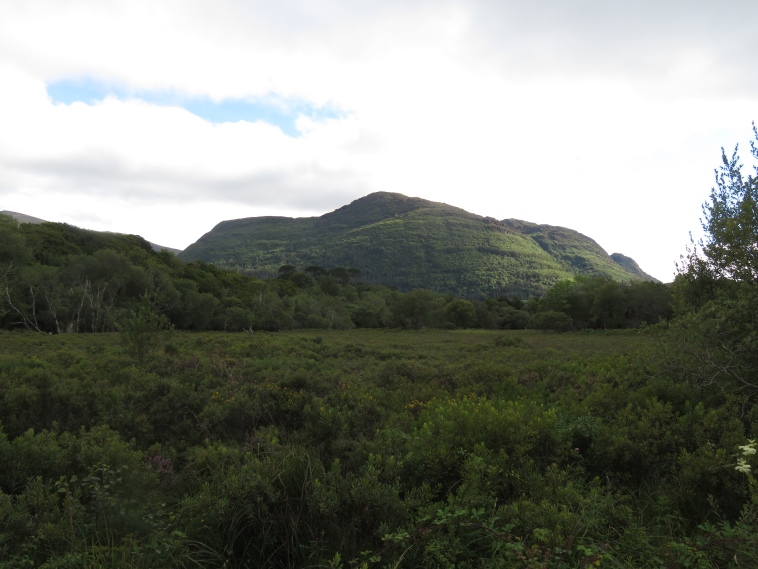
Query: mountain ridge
24	218
410	242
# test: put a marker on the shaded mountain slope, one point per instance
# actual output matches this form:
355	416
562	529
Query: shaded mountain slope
23	218
631	266
411	243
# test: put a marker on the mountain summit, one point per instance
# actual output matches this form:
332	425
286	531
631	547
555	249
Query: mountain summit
410	243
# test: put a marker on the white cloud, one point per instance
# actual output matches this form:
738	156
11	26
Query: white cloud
605	117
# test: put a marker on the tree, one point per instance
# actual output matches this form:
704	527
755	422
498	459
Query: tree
341	274
286	271
717	331
647	302
574	297
461	313
730	222
551	320
315	271
609	304
413	310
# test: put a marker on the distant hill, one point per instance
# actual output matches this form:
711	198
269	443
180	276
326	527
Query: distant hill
414	243
23	218
631	266
161	248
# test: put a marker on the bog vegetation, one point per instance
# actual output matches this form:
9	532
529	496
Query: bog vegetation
201	418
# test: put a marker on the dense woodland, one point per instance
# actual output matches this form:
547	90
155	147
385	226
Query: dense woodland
200	418
57	278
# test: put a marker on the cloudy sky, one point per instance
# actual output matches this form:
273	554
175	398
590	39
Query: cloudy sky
163	118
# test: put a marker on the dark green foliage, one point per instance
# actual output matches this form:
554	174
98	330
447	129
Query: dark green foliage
647	303
718	344
461	313
551	320
57	278
427	448
418	309
601	303
142	333
84	499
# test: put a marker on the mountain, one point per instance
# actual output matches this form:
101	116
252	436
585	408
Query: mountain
631	266
413	243
160	248
23	218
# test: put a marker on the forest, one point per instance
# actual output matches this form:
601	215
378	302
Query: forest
156	413
57	278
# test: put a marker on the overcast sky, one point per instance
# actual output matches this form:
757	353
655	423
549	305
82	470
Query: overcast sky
163	118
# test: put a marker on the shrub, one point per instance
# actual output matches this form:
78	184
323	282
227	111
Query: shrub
143	332
551	320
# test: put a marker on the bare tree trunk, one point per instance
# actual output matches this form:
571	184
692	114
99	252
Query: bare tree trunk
26	321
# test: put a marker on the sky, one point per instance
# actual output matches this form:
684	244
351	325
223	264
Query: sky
164	118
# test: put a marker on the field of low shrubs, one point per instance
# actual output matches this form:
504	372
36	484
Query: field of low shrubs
369	448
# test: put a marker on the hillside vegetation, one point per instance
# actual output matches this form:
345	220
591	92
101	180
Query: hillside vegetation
57	278
413	243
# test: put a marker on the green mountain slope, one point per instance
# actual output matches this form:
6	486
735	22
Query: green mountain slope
630	265
411	243
23	218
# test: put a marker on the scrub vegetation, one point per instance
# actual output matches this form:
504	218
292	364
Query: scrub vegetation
371	448
202	418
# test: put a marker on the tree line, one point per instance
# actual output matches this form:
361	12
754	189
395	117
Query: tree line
57	278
